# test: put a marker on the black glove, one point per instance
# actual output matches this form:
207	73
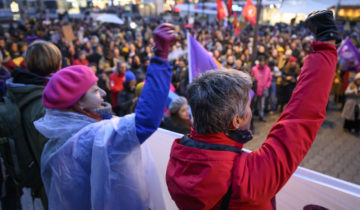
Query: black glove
322	24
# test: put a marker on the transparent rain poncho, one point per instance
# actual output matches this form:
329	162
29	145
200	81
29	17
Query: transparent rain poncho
96	165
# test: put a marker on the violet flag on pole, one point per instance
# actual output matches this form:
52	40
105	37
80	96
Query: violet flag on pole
199	59
348	53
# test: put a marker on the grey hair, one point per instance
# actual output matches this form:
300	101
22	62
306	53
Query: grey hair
216	96
176	104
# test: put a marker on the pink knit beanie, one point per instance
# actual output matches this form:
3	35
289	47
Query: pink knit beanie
67	86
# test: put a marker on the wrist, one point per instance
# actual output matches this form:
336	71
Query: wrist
330	42
161	54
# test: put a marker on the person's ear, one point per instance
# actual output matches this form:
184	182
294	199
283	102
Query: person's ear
237	122
60	65
80	103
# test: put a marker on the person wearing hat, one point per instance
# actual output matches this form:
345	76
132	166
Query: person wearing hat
94	160
127	98
281	58
351	110
179	119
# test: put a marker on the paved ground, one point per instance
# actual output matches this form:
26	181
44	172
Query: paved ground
334	152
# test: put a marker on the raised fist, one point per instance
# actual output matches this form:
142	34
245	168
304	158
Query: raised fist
164	36
322	24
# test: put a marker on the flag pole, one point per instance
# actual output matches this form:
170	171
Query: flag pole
337	9
256	30
189	56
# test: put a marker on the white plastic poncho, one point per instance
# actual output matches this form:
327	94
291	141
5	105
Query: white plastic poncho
96	165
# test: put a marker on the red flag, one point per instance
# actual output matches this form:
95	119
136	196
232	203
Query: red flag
249	12
235	20
236	25
229	5
221	10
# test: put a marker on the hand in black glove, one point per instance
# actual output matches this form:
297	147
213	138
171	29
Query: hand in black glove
322	24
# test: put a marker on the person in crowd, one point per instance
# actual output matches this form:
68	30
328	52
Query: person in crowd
276	74
104	84
95	56
180	75
238	65
4	75
281	59
127	98
13	49
82	59
288	82
70	54
179	119
42	59
351	110
208	170
107	63
116	81
262	74
229	62
117	56
137	69
94	160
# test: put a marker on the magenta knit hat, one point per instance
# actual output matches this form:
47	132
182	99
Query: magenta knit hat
67	86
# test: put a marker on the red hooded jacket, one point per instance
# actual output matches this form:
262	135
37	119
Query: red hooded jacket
199	178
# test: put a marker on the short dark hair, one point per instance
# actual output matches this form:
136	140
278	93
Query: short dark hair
216	96
43	58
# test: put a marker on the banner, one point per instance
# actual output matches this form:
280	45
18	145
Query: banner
68	33
199	59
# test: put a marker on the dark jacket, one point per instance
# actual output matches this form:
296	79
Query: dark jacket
125	101
23	83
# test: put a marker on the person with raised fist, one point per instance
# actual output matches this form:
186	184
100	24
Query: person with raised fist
208	170
94	160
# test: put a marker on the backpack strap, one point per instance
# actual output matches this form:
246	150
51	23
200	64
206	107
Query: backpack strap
186	141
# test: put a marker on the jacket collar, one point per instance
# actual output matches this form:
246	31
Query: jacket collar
23	76
215	138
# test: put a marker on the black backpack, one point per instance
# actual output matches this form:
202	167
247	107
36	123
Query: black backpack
17	160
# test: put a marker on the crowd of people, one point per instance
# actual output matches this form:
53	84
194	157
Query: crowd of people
118	57
113	51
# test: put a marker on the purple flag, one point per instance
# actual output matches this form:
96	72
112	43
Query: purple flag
199	59
348	53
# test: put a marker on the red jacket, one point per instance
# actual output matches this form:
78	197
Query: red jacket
116	85
199	178
81	62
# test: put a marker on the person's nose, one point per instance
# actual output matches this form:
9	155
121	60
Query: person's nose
102	93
